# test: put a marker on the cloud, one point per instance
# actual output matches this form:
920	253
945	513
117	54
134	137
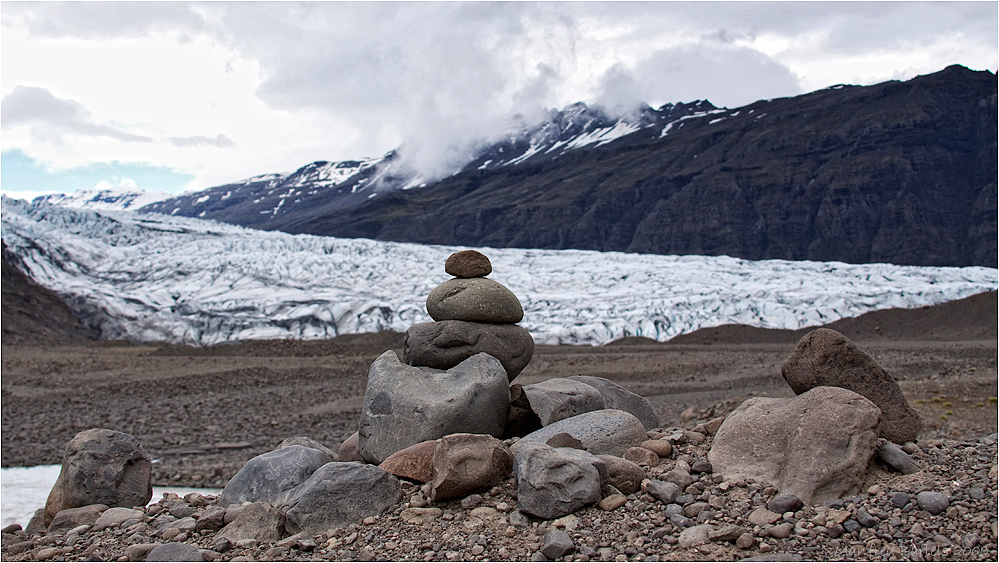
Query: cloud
220	141
51	118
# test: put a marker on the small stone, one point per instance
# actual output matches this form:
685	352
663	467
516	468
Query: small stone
695	535
932	502
781	531
865	519
763	517
785	503
745	541
976	493
851	525
896	457
468	264
680	477
613	502
663	491
662	448
701	466
969	541
557	544
727	533
642	456
899	499
174	552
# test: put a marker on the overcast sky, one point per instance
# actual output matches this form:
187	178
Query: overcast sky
176	96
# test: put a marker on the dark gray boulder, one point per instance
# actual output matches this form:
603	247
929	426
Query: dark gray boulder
101	466
339	494
617	397
825	357
406	405
445	344
559	398
479	300
272	477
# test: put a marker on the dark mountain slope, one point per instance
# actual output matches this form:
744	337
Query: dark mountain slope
899	172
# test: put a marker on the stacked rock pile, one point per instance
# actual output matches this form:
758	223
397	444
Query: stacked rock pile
472	314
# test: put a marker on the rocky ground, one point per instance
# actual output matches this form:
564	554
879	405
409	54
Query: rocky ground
201	413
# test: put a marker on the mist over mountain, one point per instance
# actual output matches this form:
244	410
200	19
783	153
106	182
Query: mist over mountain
898	172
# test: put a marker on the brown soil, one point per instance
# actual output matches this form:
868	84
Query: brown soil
202	412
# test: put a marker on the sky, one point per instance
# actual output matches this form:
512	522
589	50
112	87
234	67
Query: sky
179	96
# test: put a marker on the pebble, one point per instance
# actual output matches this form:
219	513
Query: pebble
932	502
785	503
900	499
865	519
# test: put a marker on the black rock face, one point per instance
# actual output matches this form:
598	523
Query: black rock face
899	172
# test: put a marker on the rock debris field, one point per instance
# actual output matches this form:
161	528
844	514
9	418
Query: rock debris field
471	444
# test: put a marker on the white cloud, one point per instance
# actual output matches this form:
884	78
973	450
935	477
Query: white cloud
228	90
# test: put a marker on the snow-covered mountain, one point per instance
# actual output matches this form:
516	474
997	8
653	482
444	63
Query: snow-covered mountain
119	198
152	277
270	201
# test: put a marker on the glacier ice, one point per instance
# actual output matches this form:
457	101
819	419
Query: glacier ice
148	277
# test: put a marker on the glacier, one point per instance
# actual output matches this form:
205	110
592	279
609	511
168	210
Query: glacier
154	278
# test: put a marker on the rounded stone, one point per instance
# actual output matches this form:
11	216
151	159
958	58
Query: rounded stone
474	299
468	264
932	502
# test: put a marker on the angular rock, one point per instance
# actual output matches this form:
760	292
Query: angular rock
174	551
101	466
350	449
113	517
468	264
421	515
763	517
256	521
272	477
607	431
890	453
213	518
445	344
70	518
727	533
622	474
617	397
339	494
557	544
560	398
825	357
695	535
554	482
564	440
478	300
413	462
679	476
663	491
521	420
406	405
308	443
815	446
463	463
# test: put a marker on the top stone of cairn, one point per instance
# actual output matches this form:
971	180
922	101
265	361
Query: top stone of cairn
468	264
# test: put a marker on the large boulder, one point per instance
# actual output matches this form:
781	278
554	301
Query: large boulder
406	405
272	477
815	446
559	398
617	397
101	466
339	494
464	463
474	299
607	431
445	344
555	482
825	357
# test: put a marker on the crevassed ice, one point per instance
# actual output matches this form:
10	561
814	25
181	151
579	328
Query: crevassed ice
163	278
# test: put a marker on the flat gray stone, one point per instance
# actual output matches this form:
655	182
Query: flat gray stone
890	453
339	494
272	477
174	551
603	432
617	397
406	405
559	398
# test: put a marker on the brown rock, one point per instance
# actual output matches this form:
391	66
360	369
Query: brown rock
642	456
612	502
463	463
825	357
815	446
564	440
350	449
662	448
622	474
468	264
412	462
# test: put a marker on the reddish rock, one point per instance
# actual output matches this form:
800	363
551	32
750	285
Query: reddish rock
413	462
468	264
